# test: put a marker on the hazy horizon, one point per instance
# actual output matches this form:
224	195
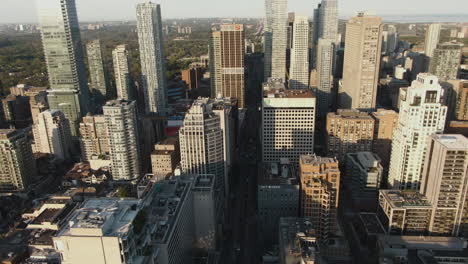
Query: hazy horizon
24	11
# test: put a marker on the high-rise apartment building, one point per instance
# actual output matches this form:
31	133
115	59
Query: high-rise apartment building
445	184
201	143
432	39
232	62
445	62
52	134
96	68
150	39
275	39
288	122
122	130
421	114
216	65
386	122
361	62
64	58
299	69
320	190
16	111
349	131
18	166
123	80
324	92
459	106
94	140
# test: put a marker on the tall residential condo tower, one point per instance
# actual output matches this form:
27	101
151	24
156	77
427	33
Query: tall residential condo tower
361	62
123	81
150	39
63	52
421	115
96	68
276	31
432	39
299	71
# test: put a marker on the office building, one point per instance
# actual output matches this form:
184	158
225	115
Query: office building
277	196
105	230
16	111
363	178
275	39
165	157
97	72
361	62
94	139
349	131
432	39
122	129
325	93
150	39
392	39
206	212
404	212
18	167
326	21
320	190
445	62
297	241
421	114
288	122
123	80
445	184
201	143
63	52
52	135
299	69
386	122
216	72
232	62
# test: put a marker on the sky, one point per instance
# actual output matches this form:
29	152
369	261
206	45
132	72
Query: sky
23	11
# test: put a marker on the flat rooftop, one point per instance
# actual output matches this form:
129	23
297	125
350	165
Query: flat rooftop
204	182
402	199
371	223
351	114
297	238
367	161
452	141
424	242
316	160
291	94
277	173
107	217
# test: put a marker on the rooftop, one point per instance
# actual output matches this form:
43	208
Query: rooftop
367	161
424	242
278	173
204	182
316	160
8	133
371	223
350	113
118	102
297	238
403	199
290	94
452	141
107	217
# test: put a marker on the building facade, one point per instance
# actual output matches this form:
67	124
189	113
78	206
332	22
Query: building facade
386	122
150	39
326	49
123	80
165	157
52	134
97	72
432	39
445	62
349	131
94	140
421	114
361	62
275	45
299	69
288	122
122	129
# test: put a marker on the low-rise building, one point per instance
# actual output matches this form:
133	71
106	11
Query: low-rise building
297	241
165	157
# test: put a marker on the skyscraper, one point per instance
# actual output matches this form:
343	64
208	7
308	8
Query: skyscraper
446	60
201	143
18	166
275	38
96	68
94	139
64	57
299	71
52	134
324	91
320	190
392	39
216	65
123	80
232	62
432	39
328	20
362	62
288	122
150	39
445	184
121	123
421	114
